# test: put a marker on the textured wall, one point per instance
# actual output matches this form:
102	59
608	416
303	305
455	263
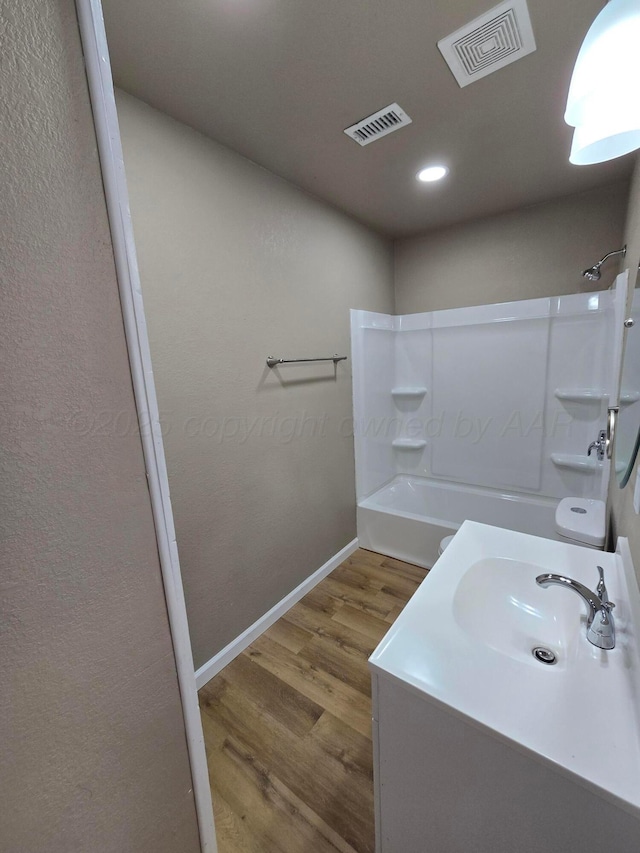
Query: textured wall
625	521
92	744
237	265
535	251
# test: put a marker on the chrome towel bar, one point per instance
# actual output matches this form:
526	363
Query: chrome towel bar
271	361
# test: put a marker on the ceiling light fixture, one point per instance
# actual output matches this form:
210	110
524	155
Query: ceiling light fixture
432	173
603	104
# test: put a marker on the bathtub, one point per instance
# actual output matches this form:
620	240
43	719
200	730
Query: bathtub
408	517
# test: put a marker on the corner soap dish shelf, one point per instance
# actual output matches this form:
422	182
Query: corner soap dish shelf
574	462
581	395
628	398
408	444
408	391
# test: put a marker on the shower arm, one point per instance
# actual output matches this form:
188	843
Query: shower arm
622	251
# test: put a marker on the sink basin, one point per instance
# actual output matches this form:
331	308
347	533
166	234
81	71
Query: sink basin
465	642
499	604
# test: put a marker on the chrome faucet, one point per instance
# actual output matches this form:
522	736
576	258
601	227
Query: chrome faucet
600	625
599	445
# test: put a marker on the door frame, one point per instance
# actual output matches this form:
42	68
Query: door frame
103	103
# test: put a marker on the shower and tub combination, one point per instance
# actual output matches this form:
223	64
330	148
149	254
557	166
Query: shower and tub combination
483	413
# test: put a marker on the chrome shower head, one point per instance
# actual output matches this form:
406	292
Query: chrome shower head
594	273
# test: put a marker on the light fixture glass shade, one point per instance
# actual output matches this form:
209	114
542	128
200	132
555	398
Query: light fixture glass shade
591	144
604	96
610	129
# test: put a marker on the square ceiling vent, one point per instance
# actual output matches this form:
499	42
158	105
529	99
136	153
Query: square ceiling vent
500	36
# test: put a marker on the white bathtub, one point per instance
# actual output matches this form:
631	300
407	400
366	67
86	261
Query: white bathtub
409	516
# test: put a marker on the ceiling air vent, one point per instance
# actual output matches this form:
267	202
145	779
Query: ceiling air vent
378	125
495	39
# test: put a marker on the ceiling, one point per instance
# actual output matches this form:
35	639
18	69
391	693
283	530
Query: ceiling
278	81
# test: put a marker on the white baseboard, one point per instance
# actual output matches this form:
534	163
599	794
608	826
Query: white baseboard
212	667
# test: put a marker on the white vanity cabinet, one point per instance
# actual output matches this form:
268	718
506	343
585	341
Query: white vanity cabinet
443	785
478	747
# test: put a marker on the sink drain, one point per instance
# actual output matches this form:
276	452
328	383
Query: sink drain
544	655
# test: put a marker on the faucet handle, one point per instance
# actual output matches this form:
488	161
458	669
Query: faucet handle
599	445
601	589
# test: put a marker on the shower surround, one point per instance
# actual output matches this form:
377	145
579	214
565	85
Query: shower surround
483	413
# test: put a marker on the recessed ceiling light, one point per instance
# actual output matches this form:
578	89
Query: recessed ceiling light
432	173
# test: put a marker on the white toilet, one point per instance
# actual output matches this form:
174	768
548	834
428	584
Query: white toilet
444	543
581	521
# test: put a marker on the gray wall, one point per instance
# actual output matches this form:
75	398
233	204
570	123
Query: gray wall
237	264
92	744
625	521
536	251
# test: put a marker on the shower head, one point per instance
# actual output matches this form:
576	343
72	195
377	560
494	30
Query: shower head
594	273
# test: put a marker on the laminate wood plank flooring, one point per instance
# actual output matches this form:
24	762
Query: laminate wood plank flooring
287	724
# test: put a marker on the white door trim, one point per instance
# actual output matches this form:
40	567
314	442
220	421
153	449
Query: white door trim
94	43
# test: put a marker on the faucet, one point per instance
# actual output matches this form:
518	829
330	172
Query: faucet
599	445
600	625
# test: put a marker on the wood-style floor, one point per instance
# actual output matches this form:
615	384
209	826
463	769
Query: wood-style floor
287	724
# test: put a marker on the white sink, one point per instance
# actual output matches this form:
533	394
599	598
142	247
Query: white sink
465	642
498	604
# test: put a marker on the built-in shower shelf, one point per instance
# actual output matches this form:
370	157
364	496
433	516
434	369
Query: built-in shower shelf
408	443
590	395
574	462
409	391
629	397
581	395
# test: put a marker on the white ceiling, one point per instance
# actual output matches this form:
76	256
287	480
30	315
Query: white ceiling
278	81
